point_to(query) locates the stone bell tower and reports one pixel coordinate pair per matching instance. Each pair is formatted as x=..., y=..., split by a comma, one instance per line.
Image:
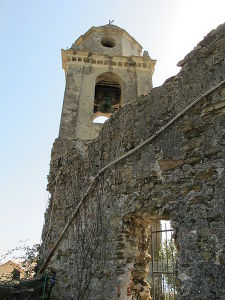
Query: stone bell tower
x=104, y=69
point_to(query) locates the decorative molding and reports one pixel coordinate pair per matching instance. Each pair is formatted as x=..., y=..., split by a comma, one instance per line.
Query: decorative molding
x=82, y=58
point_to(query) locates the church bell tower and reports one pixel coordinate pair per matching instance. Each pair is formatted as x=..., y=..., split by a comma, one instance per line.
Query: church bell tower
x=104, y=69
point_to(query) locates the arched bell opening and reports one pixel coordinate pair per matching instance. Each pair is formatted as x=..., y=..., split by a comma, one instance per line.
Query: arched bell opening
x=108, y=93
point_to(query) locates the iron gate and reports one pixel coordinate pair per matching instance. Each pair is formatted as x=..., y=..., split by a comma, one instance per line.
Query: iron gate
x=162, y=267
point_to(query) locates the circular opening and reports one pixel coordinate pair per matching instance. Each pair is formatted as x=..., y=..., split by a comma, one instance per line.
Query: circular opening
x=108, y=42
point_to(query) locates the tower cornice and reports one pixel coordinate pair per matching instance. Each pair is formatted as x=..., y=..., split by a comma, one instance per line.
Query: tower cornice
x=83, y=57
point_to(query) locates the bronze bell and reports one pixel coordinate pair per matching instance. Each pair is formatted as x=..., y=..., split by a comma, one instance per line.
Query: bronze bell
x=106, y=105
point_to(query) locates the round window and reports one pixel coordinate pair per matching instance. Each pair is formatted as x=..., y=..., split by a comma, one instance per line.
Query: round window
x=108, y=42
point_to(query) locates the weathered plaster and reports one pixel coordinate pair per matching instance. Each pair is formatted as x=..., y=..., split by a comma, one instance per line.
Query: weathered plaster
x=86, y=63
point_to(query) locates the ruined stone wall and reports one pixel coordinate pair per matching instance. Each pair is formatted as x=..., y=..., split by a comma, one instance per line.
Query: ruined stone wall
x=24, y=290
x=178, y=175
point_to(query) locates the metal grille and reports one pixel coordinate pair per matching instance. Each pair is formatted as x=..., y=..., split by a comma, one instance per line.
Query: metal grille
x=162, y=268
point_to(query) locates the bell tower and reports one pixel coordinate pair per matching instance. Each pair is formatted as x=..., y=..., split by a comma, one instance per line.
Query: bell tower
x=104, y=69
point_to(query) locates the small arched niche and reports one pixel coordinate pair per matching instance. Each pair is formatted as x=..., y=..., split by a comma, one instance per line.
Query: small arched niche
x=108, y=93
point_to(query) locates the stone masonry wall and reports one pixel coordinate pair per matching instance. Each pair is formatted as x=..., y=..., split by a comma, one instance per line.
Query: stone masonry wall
x=180, y=175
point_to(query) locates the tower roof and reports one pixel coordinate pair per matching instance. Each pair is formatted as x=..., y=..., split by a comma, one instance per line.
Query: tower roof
x=108, y=29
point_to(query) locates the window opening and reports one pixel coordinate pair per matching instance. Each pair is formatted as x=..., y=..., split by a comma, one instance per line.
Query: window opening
x=162, y=266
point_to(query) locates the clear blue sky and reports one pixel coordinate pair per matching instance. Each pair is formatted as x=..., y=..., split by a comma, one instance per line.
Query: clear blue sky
x=32, y=82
